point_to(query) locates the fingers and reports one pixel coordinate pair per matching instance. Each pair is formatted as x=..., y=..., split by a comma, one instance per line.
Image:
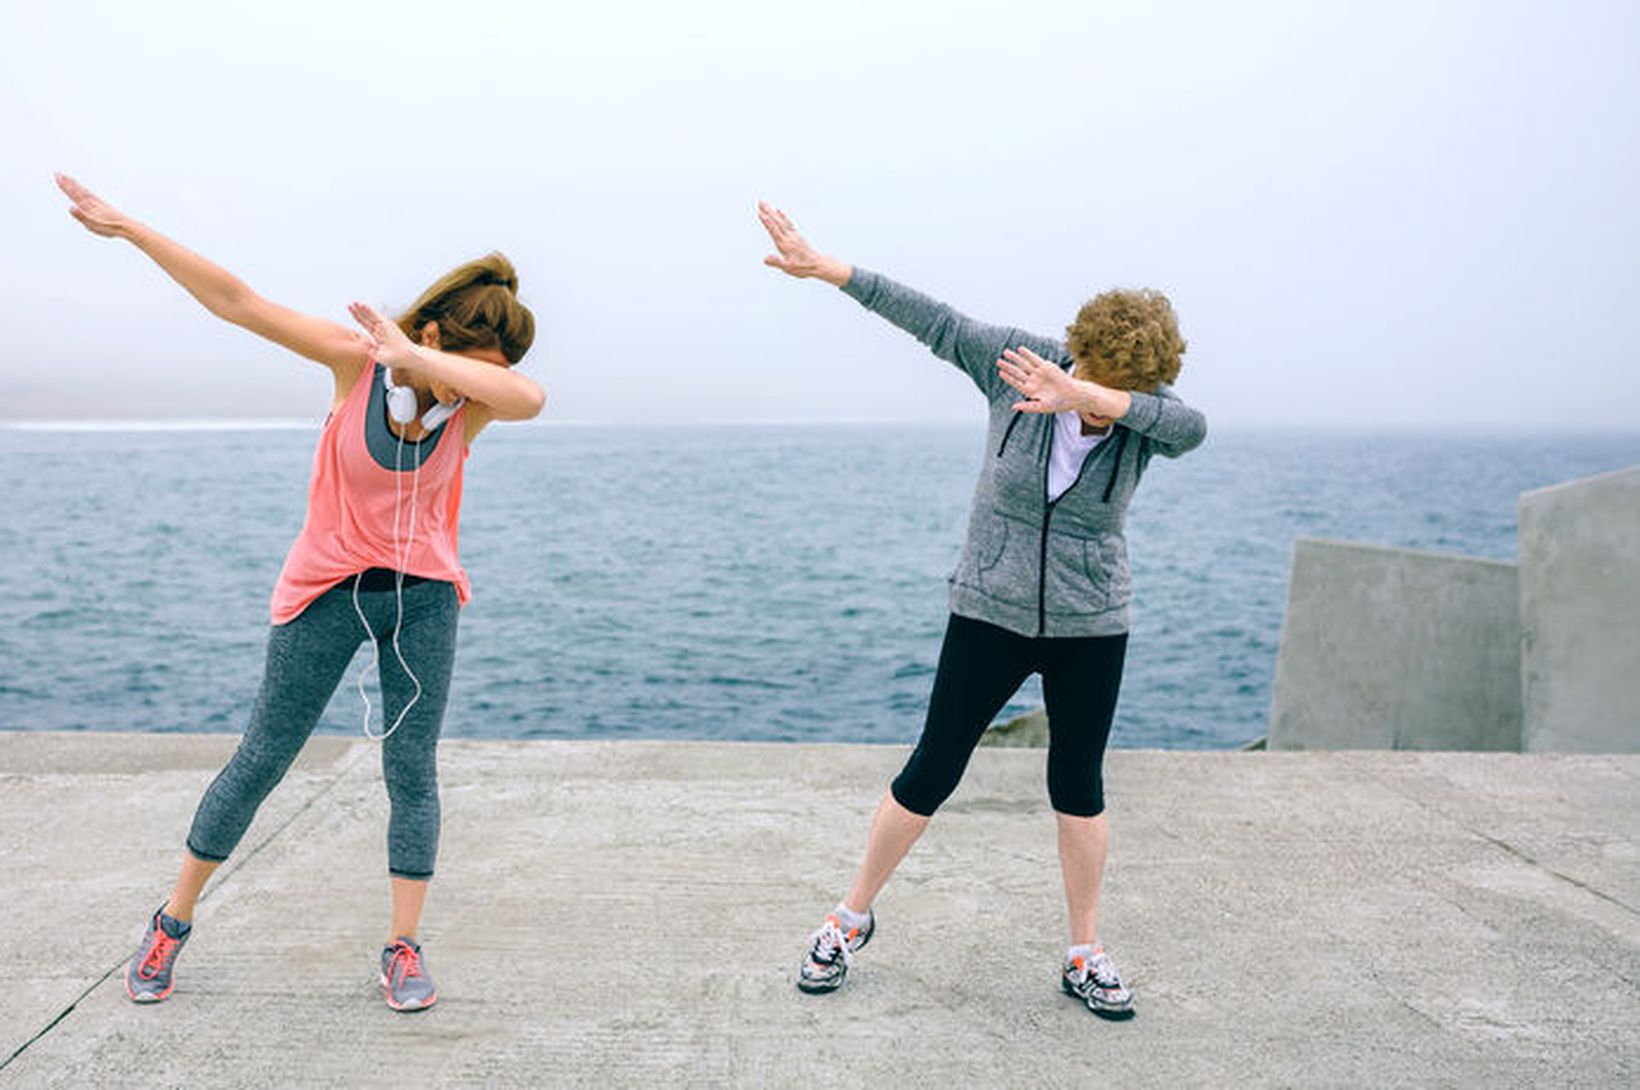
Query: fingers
x=771, y=222
x=365, y=315
x=1024, y=359
x=1032, y=407
x=779, y=226
x=75, y=192
x=765, y=216
x=1013, y=376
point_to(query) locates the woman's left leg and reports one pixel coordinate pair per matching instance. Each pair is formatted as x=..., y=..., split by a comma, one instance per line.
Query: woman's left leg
x=1081, y=678
x=1080, y=684
x=427, y=640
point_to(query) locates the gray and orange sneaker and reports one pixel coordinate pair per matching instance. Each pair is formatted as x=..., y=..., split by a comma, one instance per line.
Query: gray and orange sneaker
x=831, y=952
x=1093, y=980
x=405, y=978
x=148, y=978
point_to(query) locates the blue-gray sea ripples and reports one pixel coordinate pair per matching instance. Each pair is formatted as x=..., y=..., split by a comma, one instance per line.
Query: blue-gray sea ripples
x=768, y=582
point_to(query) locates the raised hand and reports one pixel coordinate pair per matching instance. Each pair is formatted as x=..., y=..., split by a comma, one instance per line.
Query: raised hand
x=1046, y=387
x=390, y=347
x=795, y=256
x=98, y=216
x=1050, y=389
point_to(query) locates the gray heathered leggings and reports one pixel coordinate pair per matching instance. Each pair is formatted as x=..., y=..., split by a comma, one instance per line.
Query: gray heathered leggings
x=306, y=660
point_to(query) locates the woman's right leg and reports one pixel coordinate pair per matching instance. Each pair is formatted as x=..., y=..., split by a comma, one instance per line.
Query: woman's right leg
x=306, y=660
x=980, y=667
x=893, y=830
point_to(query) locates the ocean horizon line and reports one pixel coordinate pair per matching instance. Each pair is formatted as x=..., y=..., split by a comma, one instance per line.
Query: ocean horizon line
x=309, y=424
x=291, y=423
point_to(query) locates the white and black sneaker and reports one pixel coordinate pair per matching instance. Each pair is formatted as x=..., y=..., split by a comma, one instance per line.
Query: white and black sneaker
x=831, y=951
x=1093, y=979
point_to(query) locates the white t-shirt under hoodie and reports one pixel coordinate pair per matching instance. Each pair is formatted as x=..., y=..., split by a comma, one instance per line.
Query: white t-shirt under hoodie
x=1070, y=449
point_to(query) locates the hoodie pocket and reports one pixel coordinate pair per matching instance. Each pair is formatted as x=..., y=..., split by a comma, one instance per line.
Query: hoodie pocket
x=1104, y=561
x=992, y=544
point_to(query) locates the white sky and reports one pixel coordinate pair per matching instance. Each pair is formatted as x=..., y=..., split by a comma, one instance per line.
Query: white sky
x=1366, y=214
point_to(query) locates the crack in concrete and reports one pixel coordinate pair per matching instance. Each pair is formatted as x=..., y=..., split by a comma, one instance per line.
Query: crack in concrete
x=1511, y=849
x=226, y=877
x=1523, y=857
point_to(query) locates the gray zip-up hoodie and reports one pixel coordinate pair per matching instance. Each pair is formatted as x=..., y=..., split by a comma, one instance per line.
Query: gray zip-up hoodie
x=1030, y=566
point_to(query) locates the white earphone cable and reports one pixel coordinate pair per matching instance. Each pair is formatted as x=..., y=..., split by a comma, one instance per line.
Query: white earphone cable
x=401, y=557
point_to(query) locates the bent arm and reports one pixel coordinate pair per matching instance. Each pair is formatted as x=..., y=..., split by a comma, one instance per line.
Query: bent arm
x=951, y=335
x=504, y=393
x=1172, y=427
x=498, y=392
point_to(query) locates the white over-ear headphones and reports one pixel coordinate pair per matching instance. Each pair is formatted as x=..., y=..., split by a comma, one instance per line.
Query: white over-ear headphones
x=401, y=404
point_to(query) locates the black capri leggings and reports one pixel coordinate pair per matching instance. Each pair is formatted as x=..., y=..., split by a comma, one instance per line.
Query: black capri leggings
x=981, y=666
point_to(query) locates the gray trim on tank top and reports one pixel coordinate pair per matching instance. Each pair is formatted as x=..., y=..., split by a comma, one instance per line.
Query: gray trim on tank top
x=380, y=440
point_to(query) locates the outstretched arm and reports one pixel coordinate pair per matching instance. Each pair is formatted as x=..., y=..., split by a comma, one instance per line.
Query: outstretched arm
x=222, y=293
x=950, y=335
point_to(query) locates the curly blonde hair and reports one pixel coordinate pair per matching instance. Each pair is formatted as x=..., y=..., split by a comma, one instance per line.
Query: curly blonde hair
x=1126, y=339
x=476, y=306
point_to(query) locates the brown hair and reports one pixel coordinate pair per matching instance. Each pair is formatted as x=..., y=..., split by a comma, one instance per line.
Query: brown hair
x=1127, y=339
x=476, y=306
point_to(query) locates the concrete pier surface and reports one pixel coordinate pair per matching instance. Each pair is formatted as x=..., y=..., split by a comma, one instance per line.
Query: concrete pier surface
x=626, y=913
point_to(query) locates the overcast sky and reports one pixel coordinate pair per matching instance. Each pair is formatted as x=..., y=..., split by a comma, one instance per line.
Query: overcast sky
x=1366, y=214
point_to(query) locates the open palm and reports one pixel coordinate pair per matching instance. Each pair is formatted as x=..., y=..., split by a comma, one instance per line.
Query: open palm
x=98, y=216
x=1047, y=388
x=392, y=347
x=795, y=257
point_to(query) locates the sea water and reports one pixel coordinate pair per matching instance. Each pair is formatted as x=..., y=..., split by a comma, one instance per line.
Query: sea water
x=742, y=581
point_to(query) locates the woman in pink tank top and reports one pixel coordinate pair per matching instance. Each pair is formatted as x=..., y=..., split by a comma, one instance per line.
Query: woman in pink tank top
x=376, y=561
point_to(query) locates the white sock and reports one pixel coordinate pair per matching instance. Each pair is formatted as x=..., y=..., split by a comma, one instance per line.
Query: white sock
x=1085, y=951
x=851, y=921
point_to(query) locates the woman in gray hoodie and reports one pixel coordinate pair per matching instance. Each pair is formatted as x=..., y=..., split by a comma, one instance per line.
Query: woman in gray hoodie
x=1042, y=585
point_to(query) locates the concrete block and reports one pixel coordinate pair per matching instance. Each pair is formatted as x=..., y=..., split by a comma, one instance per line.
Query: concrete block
x=1580, y=615
x=1028, y=731
x=1397, y=649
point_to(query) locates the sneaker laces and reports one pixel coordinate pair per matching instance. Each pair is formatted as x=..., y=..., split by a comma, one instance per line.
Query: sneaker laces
x=829, y=942
x=411, y=958
x=158, y=954
x=1103, y=971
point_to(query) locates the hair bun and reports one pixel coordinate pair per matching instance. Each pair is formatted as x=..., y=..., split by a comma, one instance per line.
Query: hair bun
x=491, y=270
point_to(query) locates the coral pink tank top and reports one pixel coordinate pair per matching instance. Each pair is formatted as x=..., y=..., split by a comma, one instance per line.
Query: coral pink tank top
x=352, y=501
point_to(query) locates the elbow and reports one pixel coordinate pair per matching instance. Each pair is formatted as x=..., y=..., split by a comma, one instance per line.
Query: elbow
x=1198, y=434
x=236, y=304
x=1182, y=440
x=530, y=401
x=534, y=402
x=1195, y=437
